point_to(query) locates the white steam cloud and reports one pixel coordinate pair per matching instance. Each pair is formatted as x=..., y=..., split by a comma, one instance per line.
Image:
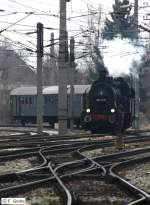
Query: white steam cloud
x=119, y=55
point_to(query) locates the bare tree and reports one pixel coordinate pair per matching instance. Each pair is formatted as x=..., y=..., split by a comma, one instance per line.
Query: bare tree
x=94, y=60
x=4, y=87
x=12, y=72
x=50, y=67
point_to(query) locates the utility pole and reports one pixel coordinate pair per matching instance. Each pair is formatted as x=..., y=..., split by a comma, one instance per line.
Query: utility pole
x=52, y=44
x=53, y=68
x=62, y=95
x=71, y=79
x=136, y=79
x=39, y=78
x=136, y=18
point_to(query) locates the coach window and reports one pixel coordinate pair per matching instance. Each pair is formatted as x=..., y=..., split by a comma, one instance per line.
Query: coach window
x=55, y=98
x=48, y=99
x=22, y=100
x=34, y=100
x=52, y=99
x=30, y=100
x=26, y=100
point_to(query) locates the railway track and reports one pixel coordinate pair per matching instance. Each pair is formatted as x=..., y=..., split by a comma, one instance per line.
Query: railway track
x=135, y=172
x=63, y=168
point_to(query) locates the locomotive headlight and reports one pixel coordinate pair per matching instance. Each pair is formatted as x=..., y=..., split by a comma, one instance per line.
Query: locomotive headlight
x=88, y=110
x=112, y=110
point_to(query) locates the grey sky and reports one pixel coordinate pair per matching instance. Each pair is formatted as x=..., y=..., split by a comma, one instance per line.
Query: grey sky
x=47, y=12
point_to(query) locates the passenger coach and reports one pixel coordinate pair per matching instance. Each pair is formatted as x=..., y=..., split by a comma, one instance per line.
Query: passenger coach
x=24, y=101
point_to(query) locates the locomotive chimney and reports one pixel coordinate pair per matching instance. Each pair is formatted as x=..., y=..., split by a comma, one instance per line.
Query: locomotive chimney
x=103, y=73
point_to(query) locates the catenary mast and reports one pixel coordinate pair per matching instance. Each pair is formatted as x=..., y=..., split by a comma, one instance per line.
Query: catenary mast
x=62, y=95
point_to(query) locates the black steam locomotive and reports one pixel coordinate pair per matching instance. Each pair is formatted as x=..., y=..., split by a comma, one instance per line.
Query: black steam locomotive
x=108, y=105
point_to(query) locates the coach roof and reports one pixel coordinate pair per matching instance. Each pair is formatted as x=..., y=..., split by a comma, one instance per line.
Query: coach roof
x=78, y=89
x=32, y=90
x=27, y=90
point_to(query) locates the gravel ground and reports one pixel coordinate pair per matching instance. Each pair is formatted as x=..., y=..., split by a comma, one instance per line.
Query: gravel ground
x=139, y=176
x=17, y=165
x=95, y=192
x=42, y=196
x=60, y=158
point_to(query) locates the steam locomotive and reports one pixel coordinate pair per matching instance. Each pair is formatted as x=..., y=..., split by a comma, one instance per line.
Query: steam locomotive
x=108, y=105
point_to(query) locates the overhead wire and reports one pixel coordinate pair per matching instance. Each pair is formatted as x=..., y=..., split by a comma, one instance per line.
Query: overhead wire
x=15, y=23
x=35, y=9
x=18, y=24
x=17, y=43
x=45, y=3
x=76, y=35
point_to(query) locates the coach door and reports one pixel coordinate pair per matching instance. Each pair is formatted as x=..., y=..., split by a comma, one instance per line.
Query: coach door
x=28, y=106
x=50, y=105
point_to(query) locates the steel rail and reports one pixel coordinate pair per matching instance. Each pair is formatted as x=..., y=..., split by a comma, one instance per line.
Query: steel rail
x=69, y=197
x=40, y=182
x=137, y=202
x=129, y=185
x=102, y=158
x=29, y=171
x=46, y=150
x=33, y=144
x=91, y=160
x=44, y=143
x=44, y=162
x=122, y=155
x=21, y=153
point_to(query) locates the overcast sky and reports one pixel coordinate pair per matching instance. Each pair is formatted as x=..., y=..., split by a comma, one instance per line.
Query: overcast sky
x=47, y=12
